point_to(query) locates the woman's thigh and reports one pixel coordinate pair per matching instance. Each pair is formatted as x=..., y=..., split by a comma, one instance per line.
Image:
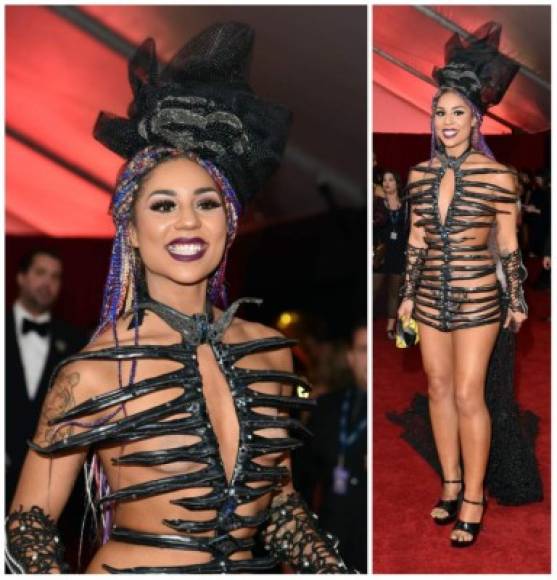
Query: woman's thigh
x=437, y=354
x=472, y=348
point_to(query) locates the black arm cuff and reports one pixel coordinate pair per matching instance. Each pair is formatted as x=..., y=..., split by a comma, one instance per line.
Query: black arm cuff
x=415, y=259
x=33, y=544
x=515, y=274
x=293, y=536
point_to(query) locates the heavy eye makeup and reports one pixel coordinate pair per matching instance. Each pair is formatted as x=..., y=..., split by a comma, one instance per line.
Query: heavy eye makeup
x=164, y=202
x=457, y=112
x=162, y=205
x=207, y=203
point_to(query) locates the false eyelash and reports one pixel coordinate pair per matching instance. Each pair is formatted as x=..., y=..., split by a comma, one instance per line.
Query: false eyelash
x=158, y=205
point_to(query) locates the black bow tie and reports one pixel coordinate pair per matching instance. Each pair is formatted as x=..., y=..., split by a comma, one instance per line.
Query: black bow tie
x=41, y=328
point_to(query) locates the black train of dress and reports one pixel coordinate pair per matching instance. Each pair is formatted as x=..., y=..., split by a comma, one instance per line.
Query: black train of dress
x=512, y=476
x=309, y=549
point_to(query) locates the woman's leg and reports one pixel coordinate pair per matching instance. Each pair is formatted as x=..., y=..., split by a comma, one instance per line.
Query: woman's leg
x=378, y=287
x=393, y=287
x=437, y=357
x=472, y=349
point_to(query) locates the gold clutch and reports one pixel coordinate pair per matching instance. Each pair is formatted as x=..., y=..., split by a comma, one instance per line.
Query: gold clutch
x=406, y=333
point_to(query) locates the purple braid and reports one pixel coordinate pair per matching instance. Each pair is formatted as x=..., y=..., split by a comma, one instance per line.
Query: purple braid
x=477, y=140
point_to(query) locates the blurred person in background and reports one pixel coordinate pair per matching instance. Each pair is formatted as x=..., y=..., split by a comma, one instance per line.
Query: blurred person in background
x=392, y=235
x=330, y=470
x=538, y=214
x=35, y=343
x=523, y=190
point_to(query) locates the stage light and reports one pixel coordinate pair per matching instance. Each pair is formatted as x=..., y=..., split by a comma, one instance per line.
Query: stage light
x=287, y=319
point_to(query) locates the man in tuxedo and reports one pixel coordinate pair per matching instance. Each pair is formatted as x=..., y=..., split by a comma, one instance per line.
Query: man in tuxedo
x=35, y=343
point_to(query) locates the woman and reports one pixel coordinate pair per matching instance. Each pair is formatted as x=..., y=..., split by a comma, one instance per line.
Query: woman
x=450, y=283
x=538, y=214
x=183, y=404
x=393, y=235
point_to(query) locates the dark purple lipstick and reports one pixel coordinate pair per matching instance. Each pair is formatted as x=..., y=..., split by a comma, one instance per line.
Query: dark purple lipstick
x=187, y=249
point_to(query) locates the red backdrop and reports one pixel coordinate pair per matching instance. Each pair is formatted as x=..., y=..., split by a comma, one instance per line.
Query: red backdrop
x=399, y=152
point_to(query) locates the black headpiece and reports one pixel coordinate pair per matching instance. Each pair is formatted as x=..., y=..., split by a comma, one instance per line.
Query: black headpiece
x=202, y=103
x=476, y=68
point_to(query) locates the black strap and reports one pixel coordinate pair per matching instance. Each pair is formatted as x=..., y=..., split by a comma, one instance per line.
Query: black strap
x=474, y=502
x=449, y=162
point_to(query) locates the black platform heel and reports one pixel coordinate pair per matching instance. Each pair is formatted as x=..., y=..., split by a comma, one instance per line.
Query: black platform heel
x=472, y=528
x=449, y=505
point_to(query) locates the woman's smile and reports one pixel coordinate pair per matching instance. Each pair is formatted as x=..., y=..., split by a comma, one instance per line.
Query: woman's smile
x=453, y=120
x=450, y=133
x=180, y=223
x=187, y=249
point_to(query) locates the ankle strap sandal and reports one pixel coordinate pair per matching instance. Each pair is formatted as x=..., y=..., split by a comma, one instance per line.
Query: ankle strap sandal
x=472, y=528
x=448, y=505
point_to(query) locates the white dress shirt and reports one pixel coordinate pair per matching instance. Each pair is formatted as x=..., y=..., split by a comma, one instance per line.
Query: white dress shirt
x=33, y=348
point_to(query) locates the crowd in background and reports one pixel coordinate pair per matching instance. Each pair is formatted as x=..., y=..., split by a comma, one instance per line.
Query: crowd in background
x=391, y=227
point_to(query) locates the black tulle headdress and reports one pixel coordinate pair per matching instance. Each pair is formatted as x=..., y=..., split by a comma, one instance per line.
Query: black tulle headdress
x=476, y=68
x=201, y=103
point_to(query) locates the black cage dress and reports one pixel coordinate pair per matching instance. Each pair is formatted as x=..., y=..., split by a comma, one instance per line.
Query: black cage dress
x=457, y=285
x=294, y=538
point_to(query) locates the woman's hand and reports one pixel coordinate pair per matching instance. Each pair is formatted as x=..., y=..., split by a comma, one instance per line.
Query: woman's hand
x=514, y=320
x=406, y=308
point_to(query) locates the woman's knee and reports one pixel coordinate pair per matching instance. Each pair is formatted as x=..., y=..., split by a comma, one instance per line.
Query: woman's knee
x=469, y=397
x=440, y=386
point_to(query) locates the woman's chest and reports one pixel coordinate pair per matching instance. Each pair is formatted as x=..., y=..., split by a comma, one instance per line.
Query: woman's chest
x=196, y=420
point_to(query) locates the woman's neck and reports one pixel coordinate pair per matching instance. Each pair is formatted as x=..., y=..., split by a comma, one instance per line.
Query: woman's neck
x=185, y=298
x=392, y=198
x=457, y=150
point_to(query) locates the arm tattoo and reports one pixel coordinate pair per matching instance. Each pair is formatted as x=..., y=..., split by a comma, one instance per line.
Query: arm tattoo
x=58, y=402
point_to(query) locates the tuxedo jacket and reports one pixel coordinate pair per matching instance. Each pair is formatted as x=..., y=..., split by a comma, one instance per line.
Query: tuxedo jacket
x=21, y=412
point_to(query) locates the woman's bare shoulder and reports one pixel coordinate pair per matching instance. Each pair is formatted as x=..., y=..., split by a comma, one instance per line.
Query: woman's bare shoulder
x=418, y=171
x=254, y=330
x=503, y=175
x=479, y=159
x=106, y=338
x=73, y=382
x=431, y=162
x=245, y=330
x=85, y=374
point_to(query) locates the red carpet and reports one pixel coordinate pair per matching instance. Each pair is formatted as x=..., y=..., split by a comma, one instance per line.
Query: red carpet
x=514, y=539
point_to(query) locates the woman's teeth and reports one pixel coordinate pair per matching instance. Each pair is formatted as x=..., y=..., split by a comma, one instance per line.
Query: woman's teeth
x=449, y=133
x=185, y=249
